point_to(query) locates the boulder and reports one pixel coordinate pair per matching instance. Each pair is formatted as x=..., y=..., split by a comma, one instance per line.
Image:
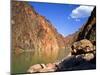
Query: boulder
x=35, y=68
x=50, y=67
x=82, y=46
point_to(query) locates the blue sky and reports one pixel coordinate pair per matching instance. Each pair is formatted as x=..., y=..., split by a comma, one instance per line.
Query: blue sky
x=66, y=18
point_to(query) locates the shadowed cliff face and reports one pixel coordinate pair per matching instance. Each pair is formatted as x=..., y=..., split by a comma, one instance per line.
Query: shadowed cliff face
x=87, y=31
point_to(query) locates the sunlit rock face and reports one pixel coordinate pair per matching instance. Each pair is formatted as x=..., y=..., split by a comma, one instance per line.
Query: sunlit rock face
x=32, y=32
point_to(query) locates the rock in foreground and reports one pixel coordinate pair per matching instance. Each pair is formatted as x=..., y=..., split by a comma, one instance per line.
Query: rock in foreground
x=42, y=68
x=81, y=59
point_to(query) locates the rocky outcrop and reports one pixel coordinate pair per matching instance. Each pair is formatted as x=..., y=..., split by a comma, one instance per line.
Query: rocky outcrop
x=82, y=46
x=81, y=59
x=85, y=48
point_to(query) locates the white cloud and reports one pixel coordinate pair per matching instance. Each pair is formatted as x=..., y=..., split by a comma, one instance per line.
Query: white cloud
x=81, y=12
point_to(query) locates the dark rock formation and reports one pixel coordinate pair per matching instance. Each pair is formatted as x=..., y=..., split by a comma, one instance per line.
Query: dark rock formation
x=76, y=63
x=88, y=31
